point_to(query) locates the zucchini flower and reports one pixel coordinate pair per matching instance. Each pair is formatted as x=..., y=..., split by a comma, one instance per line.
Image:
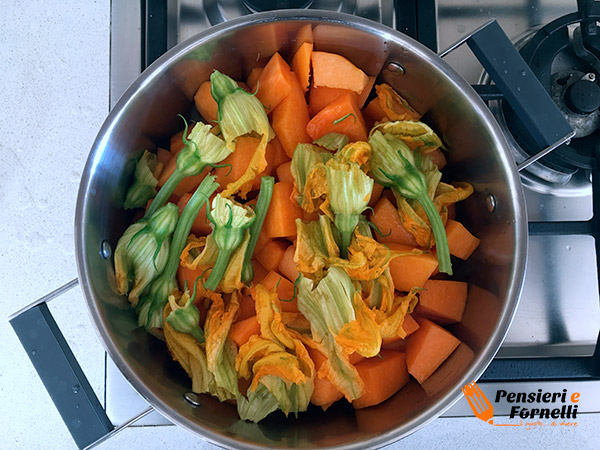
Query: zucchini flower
x=144, y=183
x=332, y=141
x=394, y=164
x=262, y=206
x=186, y=319
x=240, y=113
x=230, y=221
x=277, y=361
x=150, y=307
x=202, y=149
x=349, y=194
x=142, y=251
x=342, y=323
x=357, y=152
x=394, y=106
x=306, y=157
x=417, y=135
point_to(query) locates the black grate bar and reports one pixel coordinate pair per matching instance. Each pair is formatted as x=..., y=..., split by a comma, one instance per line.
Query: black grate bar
x=154, y=30
x=418, y=19
x=530, y=369
x=564, y=228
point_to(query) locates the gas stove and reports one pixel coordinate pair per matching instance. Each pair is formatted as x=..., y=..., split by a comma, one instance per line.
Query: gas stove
x=552, y=343
x=554, y=336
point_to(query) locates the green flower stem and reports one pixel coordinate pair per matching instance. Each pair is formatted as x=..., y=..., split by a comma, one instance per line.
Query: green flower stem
x=150, y=309
x=165, y=192
x=186, y=220
x=262, y=206
x=439, y=232
x=219, y=269
x=346, y=223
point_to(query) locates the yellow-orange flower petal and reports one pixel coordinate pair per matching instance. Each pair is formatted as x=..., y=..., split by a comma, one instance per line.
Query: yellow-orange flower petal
x=394, y=106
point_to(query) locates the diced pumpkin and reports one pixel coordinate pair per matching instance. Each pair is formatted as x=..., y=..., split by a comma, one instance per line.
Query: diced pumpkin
x=301, y=64
x=245, y=147
x=374, y=111
x=271, y=254
x=274, y=83
x=387, y=219
x=259, y=271
x=283, y=212
x=205, y=103
x=320, y=97
x=410, y=325
x=442, y=301
x=411, y=271
x=332, y=70
x=438, y=158
x=449, y=372
x=427, y=348
x=241, y=331
x=287, y=266
x=284, y=288
x=461, y=242
x=387, y=416
x=383, y=377
x=187, y=275
x=481, y=315
x=376, y=194
x=276, y=155
x=262, y=240
x=324, y=392
x=163, y=156
x=176, y=142
x=253, y=77
x=247, y=307
x=395, y=344
x=354, y=358
x=362, y=97
x=342, y=116
x=284, y=172
x=290, y=118
x=201, y=225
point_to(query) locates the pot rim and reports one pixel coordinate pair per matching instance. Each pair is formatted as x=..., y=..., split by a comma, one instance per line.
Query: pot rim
x=155, y=69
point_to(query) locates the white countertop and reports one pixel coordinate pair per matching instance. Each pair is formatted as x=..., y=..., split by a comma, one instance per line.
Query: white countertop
x=54, y=79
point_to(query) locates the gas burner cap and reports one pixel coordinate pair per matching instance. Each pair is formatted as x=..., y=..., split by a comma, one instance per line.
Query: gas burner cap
x=578, y=98
x=583, y=97
x=565, y=63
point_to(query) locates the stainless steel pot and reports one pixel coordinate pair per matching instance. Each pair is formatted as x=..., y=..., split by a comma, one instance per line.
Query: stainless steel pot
x=146, y=116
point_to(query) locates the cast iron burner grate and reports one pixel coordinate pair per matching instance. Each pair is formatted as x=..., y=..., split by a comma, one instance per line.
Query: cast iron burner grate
x=565, y=57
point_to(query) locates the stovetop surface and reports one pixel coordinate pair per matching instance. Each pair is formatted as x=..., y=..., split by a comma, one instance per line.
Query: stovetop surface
x=559, y=312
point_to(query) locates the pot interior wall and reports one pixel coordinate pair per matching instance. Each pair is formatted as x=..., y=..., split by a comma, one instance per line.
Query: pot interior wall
x=146, y=118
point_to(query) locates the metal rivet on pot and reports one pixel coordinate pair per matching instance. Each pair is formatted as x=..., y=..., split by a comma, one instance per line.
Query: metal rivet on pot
x=105, y=249
x=192, y=398
x=490, y=202
x=395, y=67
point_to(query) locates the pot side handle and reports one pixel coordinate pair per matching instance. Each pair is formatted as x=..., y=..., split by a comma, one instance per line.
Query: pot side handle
x=60, y=372
x=518, y=84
